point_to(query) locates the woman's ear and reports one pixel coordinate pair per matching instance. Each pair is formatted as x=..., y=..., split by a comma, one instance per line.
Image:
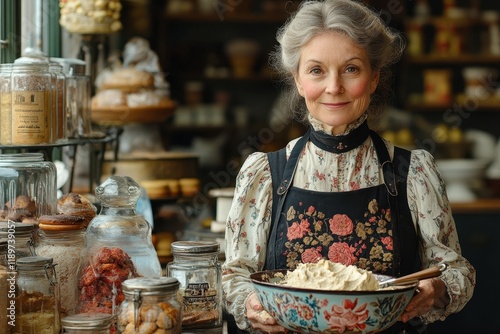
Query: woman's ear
x=300, y=89
x=374, y=82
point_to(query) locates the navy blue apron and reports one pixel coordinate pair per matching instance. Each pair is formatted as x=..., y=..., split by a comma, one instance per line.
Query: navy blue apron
x=371, y=227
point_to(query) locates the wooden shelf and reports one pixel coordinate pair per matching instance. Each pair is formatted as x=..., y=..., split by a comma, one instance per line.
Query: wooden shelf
x=227, y=17
x=448, y=60
x=485, y=205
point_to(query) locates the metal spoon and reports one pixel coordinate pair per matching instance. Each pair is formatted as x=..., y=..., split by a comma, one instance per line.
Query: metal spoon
x=415, y=277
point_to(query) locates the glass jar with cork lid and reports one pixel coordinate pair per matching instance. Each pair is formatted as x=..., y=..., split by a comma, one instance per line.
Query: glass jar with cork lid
x=61, y=237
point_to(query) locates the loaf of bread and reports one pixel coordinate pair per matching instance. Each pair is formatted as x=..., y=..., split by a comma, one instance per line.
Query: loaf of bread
x=128, y=78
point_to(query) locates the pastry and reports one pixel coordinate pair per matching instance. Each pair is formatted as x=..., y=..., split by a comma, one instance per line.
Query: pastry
x=74, y=204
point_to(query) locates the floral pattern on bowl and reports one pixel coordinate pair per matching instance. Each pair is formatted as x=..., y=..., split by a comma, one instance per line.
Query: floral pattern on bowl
x=326, y=311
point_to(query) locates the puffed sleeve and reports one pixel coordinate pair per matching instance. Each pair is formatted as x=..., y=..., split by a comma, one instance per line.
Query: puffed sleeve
x=433, y=218
x=247, y=229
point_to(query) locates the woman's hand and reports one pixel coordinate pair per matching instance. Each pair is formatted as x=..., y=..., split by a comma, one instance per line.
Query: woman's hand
x=431, y=292
x=259, y=318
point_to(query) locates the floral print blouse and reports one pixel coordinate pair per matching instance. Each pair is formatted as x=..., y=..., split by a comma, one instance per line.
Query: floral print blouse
x=249, y=218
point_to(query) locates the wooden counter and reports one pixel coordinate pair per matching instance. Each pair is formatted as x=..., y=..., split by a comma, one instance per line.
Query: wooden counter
x=483, y=205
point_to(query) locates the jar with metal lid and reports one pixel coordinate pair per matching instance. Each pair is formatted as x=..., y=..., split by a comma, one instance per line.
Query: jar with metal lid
x=20, y=240
x=31, y=86
x=151, y=305
x=118, y=246
x=195, y=264
x=63, y=243
x=37, y=300
x=5, y=104
x=85, y=323
x=27, y=187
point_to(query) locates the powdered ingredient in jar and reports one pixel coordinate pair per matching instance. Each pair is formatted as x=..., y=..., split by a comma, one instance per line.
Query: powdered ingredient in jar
x=66, y=256
x=36, y=314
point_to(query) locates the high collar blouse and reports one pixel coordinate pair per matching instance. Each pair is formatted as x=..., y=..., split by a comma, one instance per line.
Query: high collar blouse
x=249, y=218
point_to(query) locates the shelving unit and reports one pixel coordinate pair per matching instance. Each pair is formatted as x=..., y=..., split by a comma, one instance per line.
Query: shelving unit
x=455, y=35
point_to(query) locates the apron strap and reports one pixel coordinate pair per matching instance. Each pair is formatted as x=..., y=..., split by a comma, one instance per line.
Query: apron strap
x=395, y=175
x=282, y=172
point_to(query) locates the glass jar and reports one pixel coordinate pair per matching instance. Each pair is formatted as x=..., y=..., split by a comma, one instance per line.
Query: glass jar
x=150, y=306
x=4, y=288
x=20, y=239
x=5, y=104
x=58, y=102
x=64, y=246
x=37, y=300
x=27, y=186
x=195, y=264
x=87, y=323
x=118, y=246
x=78, y=97
x=31, y=85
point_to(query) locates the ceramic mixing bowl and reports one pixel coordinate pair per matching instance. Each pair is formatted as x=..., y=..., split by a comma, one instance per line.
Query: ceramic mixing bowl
x=326, y=311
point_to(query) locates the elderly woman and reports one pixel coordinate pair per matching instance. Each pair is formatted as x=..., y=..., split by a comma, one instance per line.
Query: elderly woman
x=341, y=192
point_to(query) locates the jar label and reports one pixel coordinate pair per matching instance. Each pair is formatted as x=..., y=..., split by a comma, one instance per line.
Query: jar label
x=30, y=117
x=201, y=306
x=5, y=118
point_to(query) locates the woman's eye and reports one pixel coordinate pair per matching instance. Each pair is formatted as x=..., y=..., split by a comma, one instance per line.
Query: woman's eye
x=351, y=69
x=315, y=70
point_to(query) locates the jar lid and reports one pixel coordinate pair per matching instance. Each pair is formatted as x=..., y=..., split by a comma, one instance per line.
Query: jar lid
x=33, y=262
x=71, y=66
x=16, y=228
x=21, y=157
x=150, y=286
x=194, y=247
x=87, y=321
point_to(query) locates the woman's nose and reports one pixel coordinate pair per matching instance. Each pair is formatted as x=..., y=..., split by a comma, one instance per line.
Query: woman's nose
x=334, y=85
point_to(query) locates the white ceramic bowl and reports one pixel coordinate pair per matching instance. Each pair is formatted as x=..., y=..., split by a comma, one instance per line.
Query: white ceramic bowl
x=460, y=176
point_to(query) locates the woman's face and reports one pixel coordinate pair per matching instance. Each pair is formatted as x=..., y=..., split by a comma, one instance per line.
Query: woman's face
x=335, y=79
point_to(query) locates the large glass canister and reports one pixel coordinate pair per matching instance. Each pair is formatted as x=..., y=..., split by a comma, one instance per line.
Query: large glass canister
x=5, y=104
x=37, y=300
x=63, y=241
x=31, y=87
x=151, y=305
x=87, y=323
x=20, y=240
x=27, y=187
x=195, y=264
x=118, y=246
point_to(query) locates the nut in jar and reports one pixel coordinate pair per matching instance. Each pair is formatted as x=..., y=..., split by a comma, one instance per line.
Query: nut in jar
x=150, y=306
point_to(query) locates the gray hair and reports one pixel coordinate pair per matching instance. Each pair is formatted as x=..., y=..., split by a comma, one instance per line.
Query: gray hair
x=362, y=25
